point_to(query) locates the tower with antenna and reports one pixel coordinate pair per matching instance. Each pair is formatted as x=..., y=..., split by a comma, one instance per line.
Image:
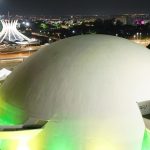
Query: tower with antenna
x=8, y=14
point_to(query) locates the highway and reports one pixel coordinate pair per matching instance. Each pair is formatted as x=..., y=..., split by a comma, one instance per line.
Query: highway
x=10, y=60
x=15, y=55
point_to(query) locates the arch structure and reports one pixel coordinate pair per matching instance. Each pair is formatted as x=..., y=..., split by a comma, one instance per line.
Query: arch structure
x=10, y=33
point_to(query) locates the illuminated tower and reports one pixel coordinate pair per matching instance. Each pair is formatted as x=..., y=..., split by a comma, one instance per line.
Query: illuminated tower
x=10, y=32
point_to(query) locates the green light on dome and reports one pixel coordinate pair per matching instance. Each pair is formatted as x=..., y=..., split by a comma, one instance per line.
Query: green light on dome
x=62, y=142
x=146, y=141
x=60, y=137
x=10, y=115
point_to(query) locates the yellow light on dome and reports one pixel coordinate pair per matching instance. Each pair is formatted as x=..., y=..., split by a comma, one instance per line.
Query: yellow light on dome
x=23, y=145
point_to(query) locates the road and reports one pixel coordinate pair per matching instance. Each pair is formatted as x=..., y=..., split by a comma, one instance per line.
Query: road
x=15, y=55
x=144, y=42
x=10, y=60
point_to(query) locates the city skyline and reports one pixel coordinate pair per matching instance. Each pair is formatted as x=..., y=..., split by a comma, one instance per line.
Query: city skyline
x=66, y=7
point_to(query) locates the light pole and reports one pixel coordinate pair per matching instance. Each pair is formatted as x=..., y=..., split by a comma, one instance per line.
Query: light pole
x=140, y=35
x=137, y=35
x=134, y=36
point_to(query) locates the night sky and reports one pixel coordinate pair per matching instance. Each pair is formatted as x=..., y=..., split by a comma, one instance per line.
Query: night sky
x=70, y=7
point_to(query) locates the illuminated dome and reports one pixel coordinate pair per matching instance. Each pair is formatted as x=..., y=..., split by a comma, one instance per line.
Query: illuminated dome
x=87, y=88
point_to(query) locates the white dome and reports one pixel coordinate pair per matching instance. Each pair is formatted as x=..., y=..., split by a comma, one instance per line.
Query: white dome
x=93, y=81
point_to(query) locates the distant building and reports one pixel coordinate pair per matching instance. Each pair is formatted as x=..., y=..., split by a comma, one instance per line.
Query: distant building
x=122, y=19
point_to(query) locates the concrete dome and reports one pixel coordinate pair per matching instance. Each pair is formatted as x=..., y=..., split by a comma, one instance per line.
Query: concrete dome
x=93, y=81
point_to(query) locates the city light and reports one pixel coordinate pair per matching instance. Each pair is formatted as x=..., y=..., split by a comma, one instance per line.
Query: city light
x=73, y=31
x=27, y=24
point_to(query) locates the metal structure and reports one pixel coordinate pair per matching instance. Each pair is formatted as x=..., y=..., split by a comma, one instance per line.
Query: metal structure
x=10, y=32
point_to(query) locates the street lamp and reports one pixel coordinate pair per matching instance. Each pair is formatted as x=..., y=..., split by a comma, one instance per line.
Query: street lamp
x=140, y=35
x=137, y=35
x=134, y=36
